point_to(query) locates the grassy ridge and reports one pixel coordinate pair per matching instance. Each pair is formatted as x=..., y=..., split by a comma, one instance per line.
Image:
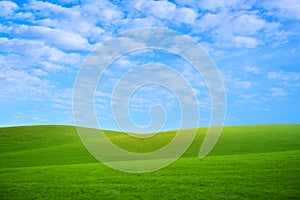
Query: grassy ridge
x=249, y=162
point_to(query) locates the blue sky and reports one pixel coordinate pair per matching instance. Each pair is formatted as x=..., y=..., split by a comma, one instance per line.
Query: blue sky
x=255, y=45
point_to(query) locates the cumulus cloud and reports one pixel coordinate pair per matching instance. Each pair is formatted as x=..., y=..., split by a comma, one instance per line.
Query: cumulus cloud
x=7, y=8
x=186, y=15
x=159, y=9
x=53, y=36
x=110, y=13
x=165, y=10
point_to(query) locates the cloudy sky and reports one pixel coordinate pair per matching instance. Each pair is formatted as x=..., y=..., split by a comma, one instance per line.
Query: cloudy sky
x=255, y=45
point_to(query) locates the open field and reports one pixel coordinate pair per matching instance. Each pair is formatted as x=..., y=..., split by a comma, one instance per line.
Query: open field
x=248, y=162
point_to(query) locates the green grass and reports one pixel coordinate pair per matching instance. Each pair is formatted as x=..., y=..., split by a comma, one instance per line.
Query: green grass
x=248, y=162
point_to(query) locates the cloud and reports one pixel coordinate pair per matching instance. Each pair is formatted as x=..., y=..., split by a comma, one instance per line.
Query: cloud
x=165, y=10
x=49, y=66
x=252, y=69
x=238, y=22
x=250, y=96
x=68, y=1
x=83, y=28
x=14, y=76
x=26, y=53
x=39, y=72
x=286, y=9
x=19, y=85
x=7, y=8
x=243, y=84
x=234, y=25
x=110, y=14
x=53, y=36
x=251, y=24
x=62, y=99
x=248, y=42
x=284, y=76
x=221, y=4
x=125, y=62
x=44, y=42
x=39, y=14
x=278, y=92
x=159, y=9
x=46, y=9
x=256, y=98
x=234, y=84
x=143, y=22
x=185, y=15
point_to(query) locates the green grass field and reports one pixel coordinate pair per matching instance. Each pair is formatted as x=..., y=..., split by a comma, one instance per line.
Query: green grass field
x=248, y=162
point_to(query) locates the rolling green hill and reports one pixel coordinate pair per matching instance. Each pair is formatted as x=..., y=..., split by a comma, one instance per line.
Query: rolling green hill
x=248, y=162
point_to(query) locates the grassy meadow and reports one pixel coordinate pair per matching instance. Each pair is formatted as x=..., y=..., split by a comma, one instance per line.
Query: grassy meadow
x=248, y=162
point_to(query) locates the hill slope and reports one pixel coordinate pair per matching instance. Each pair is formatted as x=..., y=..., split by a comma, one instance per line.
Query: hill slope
x=50, y=162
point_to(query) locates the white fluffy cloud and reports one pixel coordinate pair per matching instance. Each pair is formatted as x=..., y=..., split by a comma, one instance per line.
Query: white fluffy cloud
x=7, y=8
x=160, y=9
x=165, y=10
x=53, y=36
x=186, y=15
